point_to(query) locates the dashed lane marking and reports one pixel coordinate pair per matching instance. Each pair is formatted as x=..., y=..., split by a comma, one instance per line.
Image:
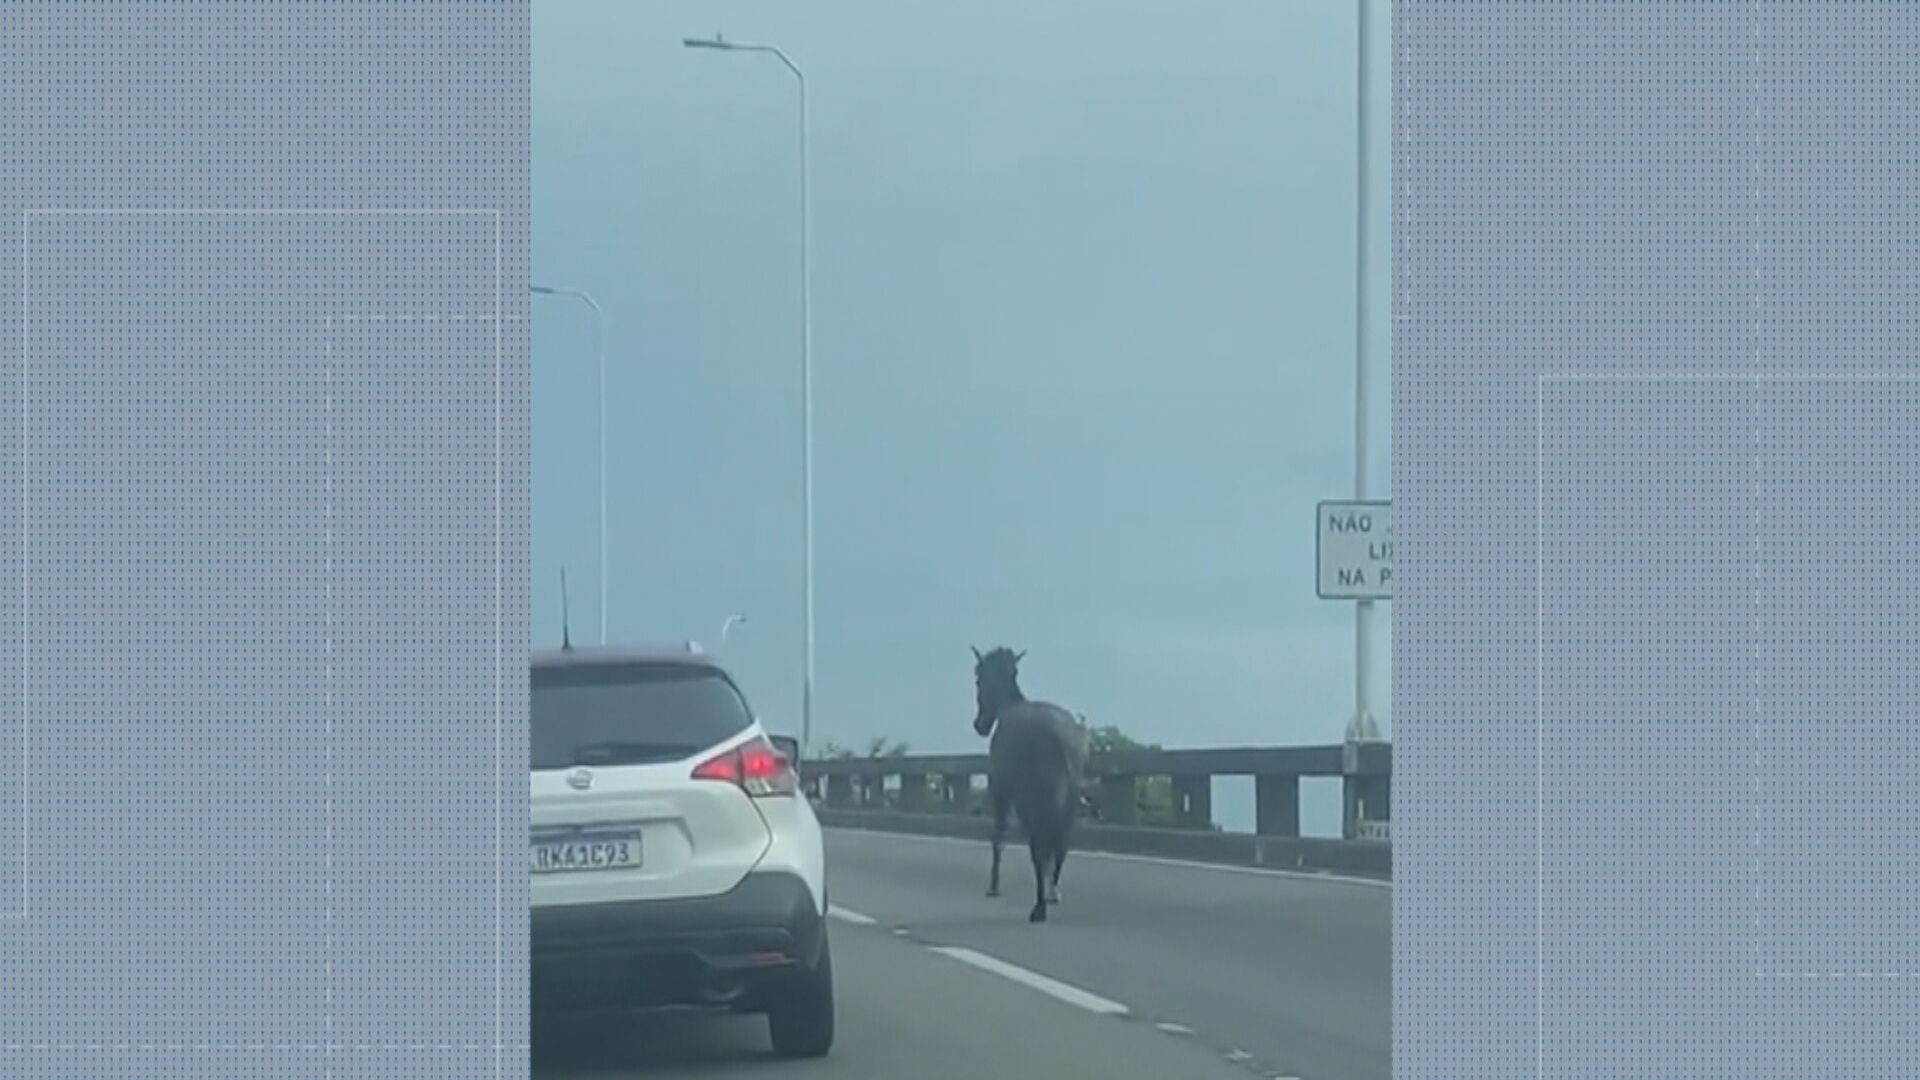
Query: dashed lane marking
x=1174, y=1029
x=1053, y=988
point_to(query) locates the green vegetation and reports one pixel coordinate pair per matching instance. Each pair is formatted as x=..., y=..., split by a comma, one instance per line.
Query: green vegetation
x=1153, y=795
x=832, y=751
x=881, y=748
x=829, y=750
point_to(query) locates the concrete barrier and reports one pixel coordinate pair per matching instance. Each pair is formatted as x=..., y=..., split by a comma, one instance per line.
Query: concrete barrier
x=942, y=786
x=1356, y=858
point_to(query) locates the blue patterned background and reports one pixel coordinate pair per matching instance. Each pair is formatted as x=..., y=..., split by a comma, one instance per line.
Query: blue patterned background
x=263, y=640
x=1656, y=411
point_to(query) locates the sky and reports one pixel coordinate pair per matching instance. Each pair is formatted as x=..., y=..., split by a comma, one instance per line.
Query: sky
x=1083, y=352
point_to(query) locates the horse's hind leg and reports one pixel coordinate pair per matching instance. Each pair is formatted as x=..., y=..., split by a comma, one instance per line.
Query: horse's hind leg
x=1039, y=852
x=1000, y=808
x=1059, y=860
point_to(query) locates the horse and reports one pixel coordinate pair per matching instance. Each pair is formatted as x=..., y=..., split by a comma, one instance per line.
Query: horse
x=1037, y=757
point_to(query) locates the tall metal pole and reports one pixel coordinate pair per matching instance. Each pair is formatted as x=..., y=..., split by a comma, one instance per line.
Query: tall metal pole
x=600, y=354
x=806, y=375
x=806, y=409
x=1363, y=609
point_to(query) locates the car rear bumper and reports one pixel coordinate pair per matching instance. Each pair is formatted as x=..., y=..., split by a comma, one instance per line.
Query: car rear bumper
x=714, y=952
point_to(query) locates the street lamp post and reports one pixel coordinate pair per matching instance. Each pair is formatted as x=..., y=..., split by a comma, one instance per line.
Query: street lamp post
x=600, y=353
x=1363, y=726
x=806, y=375
x=732, y=621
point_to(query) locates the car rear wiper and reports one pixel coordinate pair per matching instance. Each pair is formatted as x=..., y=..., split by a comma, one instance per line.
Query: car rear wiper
x=630, y=753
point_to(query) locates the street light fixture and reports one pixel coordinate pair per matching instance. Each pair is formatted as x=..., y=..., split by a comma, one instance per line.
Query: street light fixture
x=600, y=353
x=718, y=43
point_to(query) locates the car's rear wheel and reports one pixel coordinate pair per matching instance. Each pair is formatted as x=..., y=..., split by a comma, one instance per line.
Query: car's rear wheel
x=800, y=1016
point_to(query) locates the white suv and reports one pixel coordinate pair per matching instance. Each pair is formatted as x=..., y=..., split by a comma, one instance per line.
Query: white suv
x=675, y=864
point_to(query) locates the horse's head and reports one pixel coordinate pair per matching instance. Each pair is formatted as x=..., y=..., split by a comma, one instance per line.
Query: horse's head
x=996, y=685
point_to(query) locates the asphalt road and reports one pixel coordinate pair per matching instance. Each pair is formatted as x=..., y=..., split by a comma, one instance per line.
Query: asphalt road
x=1146, y=969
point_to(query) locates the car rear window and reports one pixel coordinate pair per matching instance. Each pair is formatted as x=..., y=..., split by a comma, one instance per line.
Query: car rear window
x=631, y=714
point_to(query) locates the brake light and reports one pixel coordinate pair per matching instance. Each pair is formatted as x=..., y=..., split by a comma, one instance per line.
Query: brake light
x=756, y=768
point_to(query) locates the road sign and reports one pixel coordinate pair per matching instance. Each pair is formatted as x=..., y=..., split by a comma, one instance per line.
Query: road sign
x=1354, y=550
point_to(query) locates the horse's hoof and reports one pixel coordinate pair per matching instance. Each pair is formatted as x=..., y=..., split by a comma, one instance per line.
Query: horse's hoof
x=991, y=893
x=1038, y=914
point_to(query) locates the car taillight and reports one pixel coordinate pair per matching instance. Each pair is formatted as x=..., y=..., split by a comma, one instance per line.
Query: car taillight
x=756, y=768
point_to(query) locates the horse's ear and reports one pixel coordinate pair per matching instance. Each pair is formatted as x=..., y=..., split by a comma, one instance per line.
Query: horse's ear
x=976, y=653
x=1019, y=656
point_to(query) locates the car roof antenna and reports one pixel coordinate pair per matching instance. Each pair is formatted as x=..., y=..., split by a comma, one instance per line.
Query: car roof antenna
x=566, y=635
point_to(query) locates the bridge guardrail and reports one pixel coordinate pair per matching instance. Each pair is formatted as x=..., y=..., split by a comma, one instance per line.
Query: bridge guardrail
x=937, y=794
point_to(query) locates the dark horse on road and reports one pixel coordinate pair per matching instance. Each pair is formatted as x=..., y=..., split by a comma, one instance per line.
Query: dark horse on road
x=1038, y=759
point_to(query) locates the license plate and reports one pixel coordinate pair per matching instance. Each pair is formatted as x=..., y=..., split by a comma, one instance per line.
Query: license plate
x=601, y=853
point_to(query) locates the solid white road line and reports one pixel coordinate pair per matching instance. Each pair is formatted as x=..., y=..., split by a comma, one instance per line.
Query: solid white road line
x=1054, y=988
x=1150, y=860
x=835, y=911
